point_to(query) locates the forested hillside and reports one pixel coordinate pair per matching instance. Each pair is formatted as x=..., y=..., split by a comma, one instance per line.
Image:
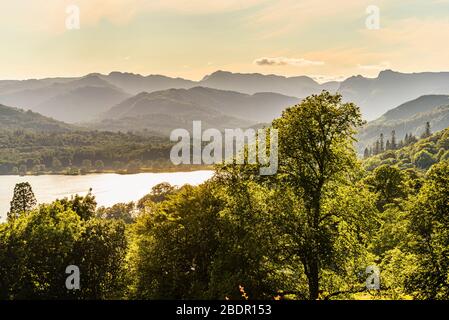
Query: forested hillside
x=17, y=119
x=421, y=154
x=409, y=118
x=24, y=152
x=33, y=144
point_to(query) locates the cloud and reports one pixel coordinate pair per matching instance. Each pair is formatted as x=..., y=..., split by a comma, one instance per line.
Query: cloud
x=286, y=16
x=381, y=66
x=327, y=78
x=52, y=12
x=283, y=61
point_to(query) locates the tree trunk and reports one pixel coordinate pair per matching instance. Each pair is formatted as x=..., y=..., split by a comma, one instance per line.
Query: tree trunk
x=314, y=269
x=313, y=279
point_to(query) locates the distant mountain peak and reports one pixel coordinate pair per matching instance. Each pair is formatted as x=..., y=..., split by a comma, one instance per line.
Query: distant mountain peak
x=216, y=74
x=387, y=74
x=91, y=80
x=92, y=75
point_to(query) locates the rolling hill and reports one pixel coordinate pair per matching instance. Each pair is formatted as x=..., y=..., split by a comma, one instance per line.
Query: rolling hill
x=70, y=100
x=420, y=155
x=136, y=83
x=80, y=104
x=18, y=119
x=410, y=117
x=177, y=108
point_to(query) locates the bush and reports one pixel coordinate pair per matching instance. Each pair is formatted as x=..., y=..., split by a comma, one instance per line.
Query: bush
x=423, y=159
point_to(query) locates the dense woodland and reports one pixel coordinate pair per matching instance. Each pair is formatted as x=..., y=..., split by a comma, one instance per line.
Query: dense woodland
x=78, y=152
x=33, y=144
x=308, y=232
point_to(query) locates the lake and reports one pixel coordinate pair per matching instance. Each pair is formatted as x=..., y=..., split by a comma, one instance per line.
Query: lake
x=108, y=189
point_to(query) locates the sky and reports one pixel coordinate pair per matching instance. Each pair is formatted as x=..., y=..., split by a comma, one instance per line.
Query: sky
x=328, y=40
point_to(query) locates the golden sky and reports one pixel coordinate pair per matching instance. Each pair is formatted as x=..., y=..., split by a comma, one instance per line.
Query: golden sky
x=191, y=38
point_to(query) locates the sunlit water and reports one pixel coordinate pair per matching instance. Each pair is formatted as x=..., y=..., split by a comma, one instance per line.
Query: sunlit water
x=108, y=189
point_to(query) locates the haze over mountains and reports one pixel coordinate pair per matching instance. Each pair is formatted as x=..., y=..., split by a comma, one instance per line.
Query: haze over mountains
x=17, y=119
x=126, y=101
x=390, y=89
x=177, y=108
x=69, y=100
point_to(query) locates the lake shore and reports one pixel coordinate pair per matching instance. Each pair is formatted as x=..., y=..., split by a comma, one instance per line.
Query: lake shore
x=181, y=168
x=108, y=188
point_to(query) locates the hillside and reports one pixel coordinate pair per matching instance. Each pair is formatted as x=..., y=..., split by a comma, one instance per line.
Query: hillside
x=409, y=109
x=65, y=99
x=390, y=89
x=136, y=83
x=260, y=107
x=408, y=118
x=17, y=119
x=421, y=154
x=81, y=104
x=163, y=111
x=78, y=152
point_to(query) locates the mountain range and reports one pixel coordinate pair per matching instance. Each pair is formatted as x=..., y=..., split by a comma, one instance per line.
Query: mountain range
x=166, y=110
x=377, y=95
x=84, y=98
x=127, y=101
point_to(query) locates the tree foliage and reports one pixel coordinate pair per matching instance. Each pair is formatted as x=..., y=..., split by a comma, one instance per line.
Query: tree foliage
x=23, y=200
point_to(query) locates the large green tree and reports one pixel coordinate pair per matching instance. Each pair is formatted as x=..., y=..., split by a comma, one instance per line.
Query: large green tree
x=429, y=236
x=174, y=244
x=315, y=153
x=388, y=183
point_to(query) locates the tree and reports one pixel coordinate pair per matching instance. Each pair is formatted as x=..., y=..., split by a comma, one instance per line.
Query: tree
x=87, y=165
x=56, y=164
x=427, y=133
x=377, y=147
x=366, y=154
x=23, y=200
x=100, y=253
x=429, y=231
x=38, y=246
x=381, y=142
x=23, y=169
x=99, y=165
x=158, y=193
x=388, y=183
x=423, y=159
x=315, y=146
x=393, y=140
x=174, y=246
x=119, y=211
x=85, y=206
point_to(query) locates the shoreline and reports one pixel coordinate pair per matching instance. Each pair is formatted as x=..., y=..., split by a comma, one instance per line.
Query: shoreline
x=119, y=172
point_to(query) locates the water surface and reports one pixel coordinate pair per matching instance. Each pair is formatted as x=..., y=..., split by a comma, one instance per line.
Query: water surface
x=108, y=189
